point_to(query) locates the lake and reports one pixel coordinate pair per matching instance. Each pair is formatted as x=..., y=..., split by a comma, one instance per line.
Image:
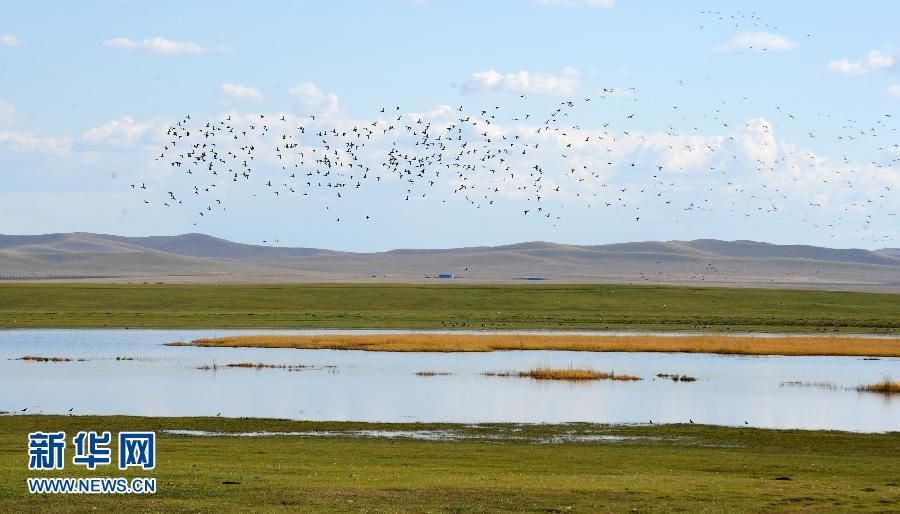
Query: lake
x=340, y=385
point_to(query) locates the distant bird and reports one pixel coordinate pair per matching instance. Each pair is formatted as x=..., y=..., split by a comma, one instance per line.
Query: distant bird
x=494, y=160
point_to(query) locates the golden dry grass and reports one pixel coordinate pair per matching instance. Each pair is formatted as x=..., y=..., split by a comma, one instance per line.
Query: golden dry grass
x=545, y=373
x=39, y=358
x=721, y=344
x=886, y=386
x=252, y=365
x=257, y=365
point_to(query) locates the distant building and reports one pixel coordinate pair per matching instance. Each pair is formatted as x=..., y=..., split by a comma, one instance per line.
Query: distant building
x=445, y=275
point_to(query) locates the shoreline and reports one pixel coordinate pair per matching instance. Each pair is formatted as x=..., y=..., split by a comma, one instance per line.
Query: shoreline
x=518, y=468
x=708, y=344
x=574, y=332
x=248, y=426
x=496, y=431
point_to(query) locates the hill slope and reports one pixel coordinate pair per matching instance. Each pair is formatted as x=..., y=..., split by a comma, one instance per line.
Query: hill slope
x=199, y=257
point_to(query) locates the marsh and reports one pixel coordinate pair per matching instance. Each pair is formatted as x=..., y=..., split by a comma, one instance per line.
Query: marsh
x=383, y=386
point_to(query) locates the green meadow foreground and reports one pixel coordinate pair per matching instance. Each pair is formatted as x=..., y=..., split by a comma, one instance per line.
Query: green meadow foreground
x=686, y=468
x=446, y=306
x=335, y=467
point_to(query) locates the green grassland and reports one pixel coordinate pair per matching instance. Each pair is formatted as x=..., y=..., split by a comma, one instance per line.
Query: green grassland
x=532, y=306
x=688, y=468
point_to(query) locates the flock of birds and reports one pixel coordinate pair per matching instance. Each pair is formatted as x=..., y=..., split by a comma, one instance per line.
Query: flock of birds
x=544, y=161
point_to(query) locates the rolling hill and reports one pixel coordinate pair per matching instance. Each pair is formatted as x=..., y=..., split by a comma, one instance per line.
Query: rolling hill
x=203, y=258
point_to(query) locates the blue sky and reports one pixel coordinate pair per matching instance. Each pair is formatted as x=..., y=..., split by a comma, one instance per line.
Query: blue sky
x=88, y=89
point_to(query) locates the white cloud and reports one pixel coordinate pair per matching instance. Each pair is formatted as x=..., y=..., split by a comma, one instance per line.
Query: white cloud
x=893, y=91
x=756, y=41
x=9, y=40
x=158, y=45
x=123, y=132
x=756, y=140
x=739, y=173
x=523, y=82
x=310, y=99
x=606, y=4
x=7, y=113
x=239, y=92
x=846, y=67
x=28, y=142
x=873, y=61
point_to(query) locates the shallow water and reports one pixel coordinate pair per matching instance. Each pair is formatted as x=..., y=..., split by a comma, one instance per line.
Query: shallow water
x=426, y=435
x=378, y=386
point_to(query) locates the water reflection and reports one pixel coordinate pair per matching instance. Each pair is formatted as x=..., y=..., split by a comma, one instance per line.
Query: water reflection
x=371, y=386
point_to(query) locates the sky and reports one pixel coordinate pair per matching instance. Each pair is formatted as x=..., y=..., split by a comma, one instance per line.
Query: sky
x=767, y=120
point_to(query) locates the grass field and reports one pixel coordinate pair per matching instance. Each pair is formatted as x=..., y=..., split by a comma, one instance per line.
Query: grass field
x=533, y=306
x=665, y=468
x=720, y=344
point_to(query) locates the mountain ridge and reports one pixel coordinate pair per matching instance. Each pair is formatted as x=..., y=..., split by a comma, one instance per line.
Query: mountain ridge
x=196, y=256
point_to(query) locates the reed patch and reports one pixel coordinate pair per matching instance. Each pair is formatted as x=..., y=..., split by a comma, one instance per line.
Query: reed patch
x=831, y=386
x=886, y=386
x=547, y=373
x=253, y=365
x=41, y=358
x=716, y=344
x=674, y=377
